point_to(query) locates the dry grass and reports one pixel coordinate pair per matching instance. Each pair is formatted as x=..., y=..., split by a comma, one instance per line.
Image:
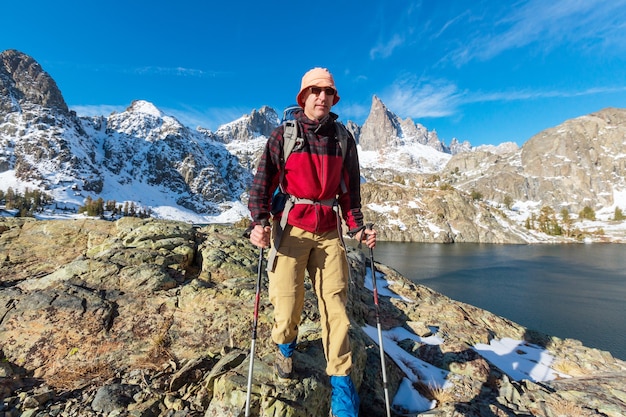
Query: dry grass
x=80, y=375
x=75, y=363
x=433, y=392
x=76, y=369
x=563, y=408
x=159, y=351
x=569, y=368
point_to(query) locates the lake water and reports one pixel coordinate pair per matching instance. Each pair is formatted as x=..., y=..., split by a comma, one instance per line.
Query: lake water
x=570, y=291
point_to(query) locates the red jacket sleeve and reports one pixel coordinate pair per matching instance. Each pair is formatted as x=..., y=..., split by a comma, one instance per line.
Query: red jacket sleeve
x=350, y=201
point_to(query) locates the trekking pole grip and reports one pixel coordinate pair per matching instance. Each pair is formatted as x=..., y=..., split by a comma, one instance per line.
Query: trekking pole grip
x=368, y=226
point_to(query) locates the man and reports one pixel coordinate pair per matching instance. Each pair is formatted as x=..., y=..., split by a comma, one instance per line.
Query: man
x=318, y=180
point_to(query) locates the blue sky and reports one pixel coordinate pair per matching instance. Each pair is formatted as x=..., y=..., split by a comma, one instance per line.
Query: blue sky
x=483, y=71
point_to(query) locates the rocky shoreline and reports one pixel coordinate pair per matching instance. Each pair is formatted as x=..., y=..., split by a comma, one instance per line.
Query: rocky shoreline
x=152, y=318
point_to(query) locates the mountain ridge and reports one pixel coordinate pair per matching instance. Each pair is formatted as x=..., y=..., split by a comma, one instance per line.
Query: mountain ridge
x=150, y=158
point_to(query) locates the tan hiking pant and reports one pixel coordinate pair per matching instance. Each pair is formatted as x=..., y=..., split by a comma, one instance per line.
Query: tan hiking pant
x=324, y=256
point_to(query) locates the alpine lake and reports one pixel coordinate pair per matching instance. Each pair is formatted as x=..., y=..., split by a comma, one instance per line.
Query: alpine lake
x=573, y=291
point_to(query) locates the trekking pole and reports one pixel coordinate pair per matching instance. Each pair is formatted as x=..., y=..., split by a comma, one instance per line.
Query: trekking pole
x=378, y=325
x=255, y=321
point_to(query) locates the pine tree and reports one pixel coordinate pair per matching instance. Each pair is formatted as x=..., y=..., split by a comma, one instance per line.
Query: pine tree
x=508, y=201
x=9, y=199
x=587, y=213
x=98, y=207
x=548, y=222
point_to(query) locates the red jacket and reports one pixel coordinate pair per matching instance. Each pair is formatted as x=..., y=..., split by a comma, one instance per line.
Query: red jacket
x=312, y=172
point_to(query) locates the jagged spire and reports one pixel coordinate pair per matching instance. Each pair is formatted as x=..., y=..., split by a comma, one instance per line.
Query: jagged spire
x=384, y=129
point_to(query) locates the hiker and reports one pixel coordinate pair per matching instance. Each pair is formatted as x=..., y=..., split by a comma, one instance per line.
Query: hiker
x=318, y=181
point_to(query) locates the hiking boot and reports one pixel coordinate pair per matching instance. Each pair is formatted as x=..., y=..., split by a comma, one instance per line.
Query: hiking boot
x=283, y=366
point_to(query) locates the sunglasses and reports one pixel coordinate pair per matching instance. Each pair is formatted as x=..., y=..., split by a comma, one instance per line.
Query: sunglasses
x=318, y=90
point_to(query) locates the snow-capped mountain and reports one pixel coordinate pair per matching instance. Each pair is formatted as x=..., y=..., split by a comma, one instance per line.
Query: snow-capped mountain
x=139, y=155
x=415, y=187
x=142, y=145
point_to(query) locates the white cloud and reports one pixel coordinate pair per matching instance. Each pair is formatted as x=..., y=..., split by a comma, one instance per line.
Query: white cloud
x=450, y=23
x=353, y=111
x=174, y=71
x=98, y=110
x=418, y=98
x=385, y=50
x=144, y=70
x=520, y=95
x=396, y=32
x=580, y=23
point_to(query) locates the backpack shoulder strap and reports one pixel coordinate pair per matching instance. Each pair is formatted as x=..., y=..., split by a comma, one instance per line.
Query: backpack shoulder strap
x=290, y=138
x=342, y=137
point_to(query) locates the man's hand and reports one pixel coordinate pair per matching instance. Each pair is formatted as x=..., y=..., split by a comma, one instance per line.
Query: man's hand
x=260, y=236
x=368, y=236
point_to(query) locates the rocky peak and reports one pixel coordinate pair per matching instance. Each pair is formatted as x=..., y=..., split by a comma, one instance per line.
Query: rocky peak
x=459, y=147
x=582, y=159
x=43, y=139
x=380, y=129
x=257, y=123
x=383, y=129
x=355, y=129
x=143, y=144
x=264, y=120
x=24, y=83
x=48, y=145
x=142, y=106
x=144, y=120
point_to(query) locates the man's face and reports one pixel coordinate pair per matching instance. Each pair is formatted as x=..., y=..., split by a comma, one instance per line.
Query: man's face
x=318, y=102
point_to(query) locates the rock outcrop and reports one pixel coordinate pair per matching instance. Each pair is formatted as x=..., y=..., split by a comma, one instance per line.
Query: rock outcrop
x=24, y=83
x=248, y=127
x=153, y=318
x=576, y=164
x=431, y=214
